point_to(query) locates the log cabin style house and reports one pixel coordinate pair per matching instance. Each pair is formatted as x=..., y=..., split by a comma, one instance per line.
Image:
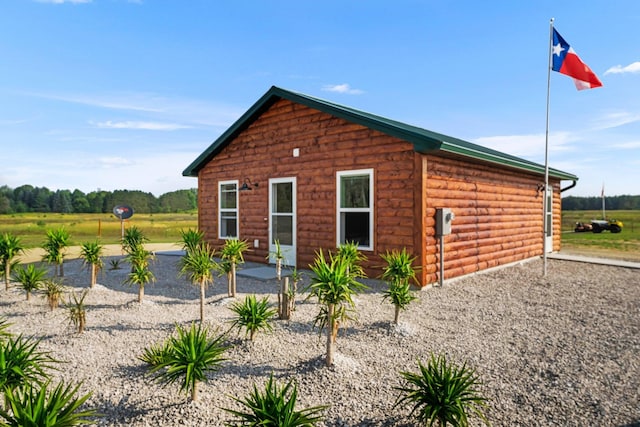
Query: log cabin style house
x=313, y=174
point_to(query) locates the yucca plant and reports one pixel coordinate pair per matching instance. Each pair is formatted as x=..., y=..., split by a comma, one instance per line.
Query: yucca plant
x=10, y=247
x=132, y=239
x=442, y=392
x=334, y=287
x=30, y=278
x=77, y=311
x=140, y=274
x=398, y=272
x=91, y=254
x=191, y=239
x=21, y=362
x=353, y=258
x=224, y=269
x=52, y=290
x=54, y=247
x=253, y=315
x=279, y=257
x=188, y=358
x=156, y=354
x=114, y=264
x=274, y=407
x=232, y=251
x=38, y=406
x=4, y=329
x=199, y=266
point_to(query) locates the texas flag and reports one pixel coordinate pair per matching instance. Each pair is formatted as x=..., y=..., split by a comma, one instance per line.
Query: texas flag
x=566, y=61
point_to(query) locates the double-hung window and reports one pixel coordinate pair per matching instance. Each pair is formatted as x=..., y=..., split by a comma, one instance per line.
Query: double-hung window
x=228, y=209
x=355, y=208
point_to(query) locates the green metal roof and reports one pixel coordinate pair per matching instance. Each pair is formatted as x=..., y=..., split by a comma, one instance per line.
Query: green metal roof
x=424, y=141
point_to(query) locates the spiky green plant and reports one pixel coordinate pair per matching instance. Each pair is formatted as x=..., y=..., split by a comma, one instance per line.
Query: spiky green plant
x=253, y=315
x=115, y=264
x=274, y=407
x=279, y=257
x=191, y=239
x=54, y=247
x=156, y=354
x=77, y=311
x=30, y=278
x=189, y=357
x=334, y=287
x=10, y=247
x=400, y=295
x=91, y=254
x=4, y=329
x=52, y=290
x=398, y=272
x=199, y=266
x=132, y=239
x=224, y=269
x=353, y=258
x=140, y=273
x=442, y=392
x=38, y=406
x=21, y=362
x=232, y=251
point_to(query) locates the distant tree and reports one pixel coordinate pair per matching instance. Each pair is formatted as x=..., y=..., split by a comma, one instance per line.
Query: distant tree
x=61, y=202
x=79, y=202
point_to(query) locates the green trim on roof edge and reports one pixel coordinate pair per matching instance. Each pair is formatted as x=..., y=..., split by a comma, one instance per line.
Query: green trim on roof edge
x=424, y=141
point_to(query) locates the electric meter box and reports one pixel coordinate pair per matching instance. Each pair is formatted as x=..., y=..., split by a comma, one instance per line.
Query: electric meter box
x=444, y=216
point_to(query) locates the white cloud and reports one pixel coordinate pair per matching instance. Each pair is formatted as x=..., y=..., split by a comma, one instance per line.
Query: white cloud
x=342, y=88
x=613, y=120
x=528, y=145
x=110, y=162
x=64, y=1
x=139, y=125
x=627, y=145
x=634, y=67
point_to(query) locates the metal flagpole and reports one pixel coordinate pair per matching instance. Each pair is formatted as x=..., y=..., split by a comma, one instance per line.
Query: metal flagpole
x=546, y=157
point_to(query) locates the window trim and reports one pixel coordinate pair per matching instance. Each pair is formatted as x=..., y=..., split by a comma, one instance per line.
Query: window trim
x=221, y=210
x=370, y=209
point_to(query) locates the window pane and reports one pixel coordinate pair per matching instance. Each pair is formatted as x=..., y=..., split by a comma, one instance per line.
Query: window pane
x=355, y=228
x=283, y=229
x=228, y=196
x=354, y=191
x=228, y=224
x=282, y=199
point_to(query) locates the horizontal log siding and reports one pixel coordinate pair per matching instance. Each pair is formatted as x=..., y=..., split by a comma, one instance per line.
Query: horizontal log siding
x=498, y=217
x=327, y=144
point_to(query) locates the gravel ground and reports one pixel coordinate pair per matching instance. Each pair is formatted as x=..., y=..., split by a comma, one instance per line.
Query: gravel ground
x=561, y=350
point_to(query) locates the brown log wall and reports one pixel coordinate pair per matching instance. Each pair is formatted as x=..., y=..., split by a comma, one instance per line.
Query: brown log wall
x=498, y=216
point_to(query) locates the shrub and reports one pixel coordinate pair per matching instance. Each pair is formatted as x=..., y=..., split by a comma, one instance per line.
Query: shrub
x=76, y=311
x=274, y=407
x=253, y=315
x=30, y=278
x=22, y=363
x=52, y=291
x=442, y=392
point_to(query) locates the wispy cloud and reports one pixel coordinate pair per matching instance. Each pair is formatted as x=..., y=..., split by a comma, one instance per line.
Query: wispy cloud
x=613, y=120
x=139, y=125
x=528, y=145
x=634, y=67
x=342, y=88
x=627, y=145
x=12, y=122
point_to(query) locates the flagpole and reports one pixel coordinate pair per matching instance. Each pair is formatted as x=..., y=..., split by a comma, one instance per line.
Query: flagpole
x=604, y=216
x=546, y=157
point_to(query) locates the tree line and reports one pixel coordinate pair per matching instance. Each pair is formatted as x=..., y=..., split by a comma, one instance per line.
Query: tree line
x=613, y=203
x=28, y=198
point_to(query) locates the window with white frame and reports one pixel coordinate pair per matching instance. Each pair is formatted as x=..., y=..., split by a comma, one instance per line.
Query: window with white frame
x=228, y=209
x=355, y=207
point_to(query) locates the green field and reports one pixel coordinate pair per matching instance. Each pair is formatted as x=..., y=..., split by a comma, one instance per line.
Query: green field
x=158, y=228
x=625, y=244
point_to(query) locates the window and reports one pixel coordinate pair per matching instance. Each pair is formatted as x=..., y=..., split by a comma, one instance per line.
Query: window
x=355, y=208
x=228, y=210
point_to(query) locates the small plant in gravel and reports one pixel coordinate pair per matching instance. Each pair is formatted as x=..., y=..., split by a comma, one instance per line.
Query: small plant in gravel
x=54, y=247
x=132, y=239
x=140, y=274
x=224, y=269
x=114, y=264
x=191, y=239
x=353, y=258
x=232, y=251
x=34, y=405
x=274, y=407
x=77, y=311
x=52, y=291
x=91, y=254
x=334, y=287
x=4, y=329
x=253, y=315
x=443, y=393
x=156, y=354
x=199, y=266
x=21, y=362
x=187, y=358
x=10, y=247
x=30, y=278
x=398, y=272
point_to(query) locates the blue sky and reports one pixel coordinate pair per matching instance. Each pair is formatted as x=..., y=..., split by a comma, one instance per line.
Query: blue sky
x=117, y=94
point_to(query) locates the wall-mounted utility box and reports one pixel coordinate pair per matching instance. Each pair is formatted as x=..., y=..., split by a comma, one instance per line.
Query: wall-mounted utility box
x=444, y=216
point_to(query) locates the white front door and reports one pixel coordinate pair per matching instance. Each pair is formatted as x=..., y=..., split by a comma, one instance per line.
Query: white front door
x=282, y=219
x=548, y=217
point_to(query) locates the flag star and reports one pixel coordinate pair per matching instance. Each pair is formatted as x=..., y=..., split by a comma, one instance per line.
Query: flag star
x=557, y=49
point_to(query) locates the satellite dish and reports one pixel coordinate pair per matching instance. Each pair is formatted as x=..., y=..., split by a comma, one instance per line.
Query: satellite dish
x=123, y=212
